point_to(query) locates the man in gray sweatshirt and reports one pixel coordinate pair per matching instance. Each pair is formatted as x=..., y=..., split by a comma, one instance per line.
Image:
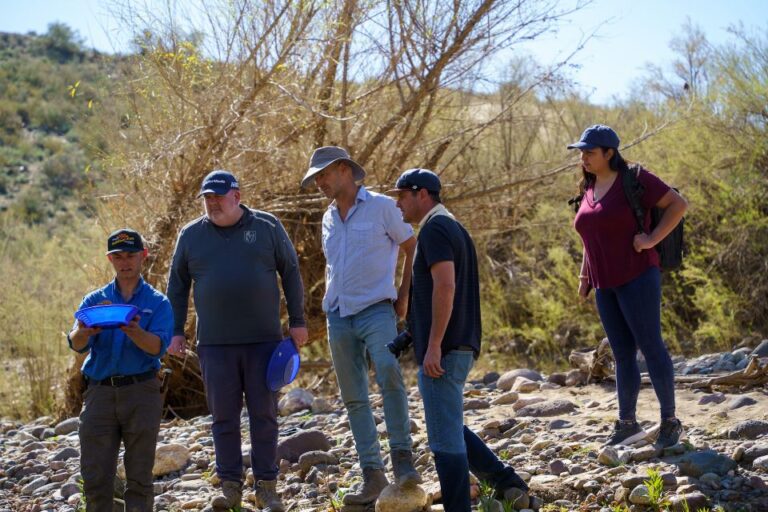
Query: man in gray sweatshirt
x=232, y=257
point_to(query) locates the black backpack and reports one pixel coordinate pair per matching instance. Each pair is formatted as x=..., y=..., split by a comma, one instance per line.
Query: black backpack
x=672, y=247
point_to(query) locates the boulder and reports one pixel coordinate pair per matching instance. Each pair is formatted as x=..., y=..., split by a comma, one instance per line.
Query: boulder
x=402, y=499
x=292, y=447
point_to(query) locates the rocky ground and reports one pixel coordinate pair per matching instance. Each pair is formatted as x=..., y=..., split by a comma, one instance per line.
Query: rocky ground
x=549, y=428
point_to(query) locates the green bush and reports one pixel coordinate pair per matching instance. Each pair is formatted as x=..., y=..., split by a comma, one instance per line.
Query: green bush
x=64, y=172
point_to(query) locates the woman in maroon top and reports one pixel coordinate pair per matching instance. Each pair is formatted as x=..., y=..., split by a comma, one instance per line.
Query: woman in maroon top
x=623, y=267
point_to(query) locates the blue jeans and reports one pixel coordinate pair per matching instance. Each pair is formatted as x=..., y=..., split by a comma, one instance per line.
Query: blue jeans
x=444, y=414
x=456, y=448
x=351, y=338
x=229, y=371
x=631, y=317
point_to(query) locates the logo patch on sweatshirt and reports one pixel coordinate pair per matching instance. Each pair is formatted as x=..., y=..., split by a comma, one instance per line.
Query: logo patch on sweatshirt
x=250, y=237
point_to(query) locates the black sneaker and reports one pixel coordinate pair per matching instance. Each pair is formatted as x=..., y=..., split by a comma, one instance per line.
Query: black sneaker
x=670, y=432
x=625, y=433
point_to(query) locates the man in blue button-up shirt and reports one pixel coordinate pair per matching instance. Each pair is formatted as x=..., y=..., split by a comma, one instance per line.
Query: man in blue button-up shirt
x=362, y=234
x=122, y=401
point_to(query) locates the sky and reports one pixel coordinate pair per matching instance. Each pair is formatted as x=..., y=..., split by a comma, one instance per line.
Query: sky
x=628, y=33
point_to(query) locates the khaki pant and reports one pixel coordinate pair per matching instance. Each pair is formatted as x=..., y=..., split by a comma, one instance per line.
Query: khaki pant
x=130, y=414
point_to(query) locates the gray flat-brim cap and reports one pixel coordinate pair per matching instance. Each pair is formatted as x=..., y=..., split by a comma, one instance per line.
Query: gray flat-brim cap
x=325, y=156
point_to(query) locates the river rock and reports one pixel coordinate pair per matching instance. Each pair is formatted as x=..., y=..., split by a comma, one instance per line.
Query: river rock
x=761, y=463
x=402, y=499
x=507, y=380
x=712, y=398
x=67, y=426
x=688, y=502
x=548, y=408
x=640, y=495
x=316, y=458
x=741, y=401
x=297, y=399
x=507, y=398
x=708, y=461
x=292, y=447
x=749, y=429
x=64, y=454
x=761, y=350
x=524, y=385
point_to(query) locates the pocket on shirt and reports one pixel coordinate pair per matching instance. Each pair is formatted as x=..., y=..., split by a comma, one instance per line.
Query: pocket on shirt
x=361, y=233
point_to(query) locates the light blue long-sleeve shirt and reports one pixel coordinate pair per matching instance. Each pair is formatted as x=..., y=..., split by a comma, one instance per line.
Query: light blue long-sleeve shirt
x=111, y=351
x=361, y=252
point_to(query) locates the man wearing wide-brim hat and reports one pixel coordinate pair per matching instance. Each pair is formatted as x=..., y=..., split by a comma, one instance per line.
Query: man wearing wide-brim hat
x=362, y=234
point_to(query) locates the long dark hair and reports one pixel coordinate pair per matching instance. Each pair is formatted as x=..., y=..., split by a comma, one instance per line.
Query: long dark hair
x=616, y=163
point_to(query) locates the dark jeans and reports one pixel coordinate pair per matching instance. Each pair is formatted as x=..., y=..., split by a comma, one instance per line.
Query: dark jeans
x=111, y=414
x=456, y=448
x=229, y=371
x=631, y=316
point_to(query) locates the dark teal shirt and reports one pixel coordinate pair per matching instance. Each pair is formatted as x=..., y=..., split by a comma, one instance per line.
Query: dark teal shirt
x=233, y=273
x=111, y=351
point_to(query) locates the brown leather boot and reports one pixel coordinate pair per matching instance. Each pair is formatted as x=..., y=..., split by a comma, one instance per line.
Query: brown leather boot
x=266, y=496
x=231, y=496
x=374, y=481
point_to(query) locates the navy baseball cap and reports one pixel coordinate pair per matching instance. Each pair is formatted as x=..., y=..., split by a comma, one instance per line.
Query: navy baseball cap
x=218, y=182
x=595, y=136
x=414, y=179
x=124, y=240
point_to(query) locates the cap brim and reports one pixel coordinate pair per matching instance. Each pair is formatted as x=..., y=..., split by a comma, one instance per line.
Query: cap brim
x=394, y=191
x=132, y=249
x=581, y=145
x=214, y=191
x=309, y=178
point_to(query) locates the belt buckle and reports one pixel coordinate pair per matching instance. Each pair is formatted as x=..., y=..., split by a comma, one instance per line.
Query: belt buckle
x=112, y=381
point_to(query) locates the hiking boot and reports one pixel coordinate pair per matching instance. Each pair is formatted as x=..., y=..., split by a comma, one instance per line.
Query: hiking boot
x=519, y=498
x=402, y=466
x=374, y=481
x=514, y=490
x=670, y=432
x=625, y=433
x=231, y=496
x=266, y=496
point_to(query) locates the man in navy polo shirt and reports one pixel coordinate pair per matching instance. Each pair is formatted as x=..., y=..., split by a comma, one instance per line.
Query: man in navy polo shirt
x=122, y=401
x=444, y=321
x=233, y=256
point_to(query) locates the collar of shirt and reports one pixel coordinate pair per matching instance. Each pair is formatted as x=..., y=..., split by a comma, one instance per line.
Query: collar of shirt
x=362, y=195
x=117, y=297
x=240, y=223
x=438, y=209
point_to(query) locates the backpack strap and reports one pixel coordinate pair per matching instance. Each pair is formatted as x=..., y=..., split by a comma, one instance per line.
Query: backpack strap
x=634, y=190
x=576, y=202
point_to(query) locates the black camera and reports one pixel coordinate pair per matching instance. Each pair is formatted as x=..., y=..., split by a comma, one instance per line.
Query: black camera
x=401, y=343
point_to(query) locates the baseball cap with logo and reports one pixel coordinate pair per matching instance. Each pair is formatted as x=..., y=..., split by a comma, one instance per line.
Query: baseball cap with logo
x=218, y=182
x=124, y=240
